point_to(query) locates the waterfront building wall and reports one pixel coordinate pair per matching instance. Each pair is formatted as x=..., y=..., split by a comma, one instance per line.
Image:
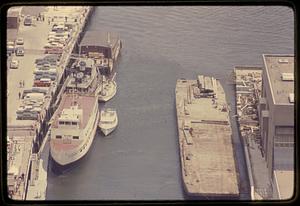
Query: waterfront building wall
x=276, y=114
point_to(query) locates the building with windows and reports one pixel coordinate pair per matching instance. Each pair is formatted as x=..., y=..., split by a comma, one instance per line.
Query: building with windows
x=276, y=116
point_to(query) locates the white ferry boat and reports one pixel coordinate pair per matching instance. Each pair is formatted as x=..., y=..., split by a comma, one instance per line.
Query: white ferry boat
x=108, y=120
x=75, y=121
x=73, y=127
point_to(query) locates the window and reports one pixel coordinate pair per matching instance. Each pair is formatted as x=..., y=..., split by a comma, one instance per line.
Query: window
x=58, y=137
x=68, y=123
x=61, y=122
x=284, y=130
x=285, y=138
x=284, y=144
x=75, y=137
x=74, y=123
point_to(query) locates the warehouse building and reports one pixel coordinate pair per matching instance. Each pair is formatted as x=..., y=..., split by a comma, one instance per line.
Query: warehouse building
x=13, y=23
x=276, y=116
x=13, y=16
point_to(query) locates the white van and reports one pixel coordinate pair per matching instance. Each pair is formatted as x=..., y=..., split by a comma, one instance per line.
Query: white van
x=34, y=96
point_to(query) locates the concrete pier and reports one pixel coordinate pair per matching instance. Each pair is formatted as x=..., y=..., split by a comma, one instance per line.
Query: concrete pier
x=22, y=79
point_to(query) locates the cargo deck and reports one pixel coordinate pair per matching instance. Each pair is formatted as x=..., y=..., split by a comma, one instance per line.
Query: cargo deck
x=205, y=139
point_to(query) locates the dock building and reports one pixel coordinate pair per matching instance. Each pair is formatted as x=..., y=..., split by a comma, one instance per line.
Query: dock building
x=276, y=117
x=13, y=23
x=13, y=18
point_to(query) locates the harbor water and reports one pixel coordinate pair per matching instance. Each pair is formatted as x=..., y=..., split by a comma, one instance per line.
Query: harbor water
x=140, y=159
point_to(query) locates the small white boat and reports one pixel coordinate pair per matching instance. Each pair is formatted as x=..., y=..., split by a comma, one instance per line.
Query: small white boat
x=108, y=91
x=108, y=120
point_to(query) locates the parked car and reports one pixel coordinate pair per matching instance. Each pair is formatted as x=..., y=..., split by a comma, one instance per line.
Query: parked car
x=20, y=41
x=44, y=82
x=53, y=51
x=14, y=64
x=10, y=43
x=20, y=51
x=27, y=20
x=10, y=49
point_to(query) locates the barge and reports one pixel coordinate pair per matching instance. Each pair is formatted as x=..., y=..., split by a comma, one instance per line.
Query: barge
x=205, y=140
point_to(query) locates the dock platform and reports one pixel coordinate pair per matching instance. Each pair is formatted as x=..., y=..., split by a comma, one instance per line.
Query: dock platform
x=205, y=139
x=32, y=146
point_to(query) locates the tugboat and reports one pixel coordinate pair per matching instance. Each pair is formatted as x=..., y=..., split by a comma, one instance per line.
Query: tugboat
x=108, y=120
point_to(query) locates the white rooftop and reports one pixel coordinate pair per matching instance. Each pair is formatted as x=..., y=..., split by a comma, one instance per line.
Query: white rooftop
x=279, y=70
x=71, y=114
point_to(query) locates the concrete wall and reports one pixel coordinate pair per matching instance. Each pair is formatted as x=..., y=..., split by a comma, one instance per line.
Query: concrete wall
x=284, y=115
x=283, y=158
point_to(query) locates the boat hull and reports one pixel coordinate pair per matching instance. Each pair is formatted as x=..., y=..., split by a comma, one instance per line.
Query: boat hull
x=107, y=130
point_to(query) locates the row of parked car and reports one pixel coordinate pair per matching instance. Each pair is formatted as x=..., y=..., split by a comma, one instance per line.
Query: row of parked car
x=16, y=47
x=58, y=38
x=33, y=99
x=46, y=70
x=31, y=106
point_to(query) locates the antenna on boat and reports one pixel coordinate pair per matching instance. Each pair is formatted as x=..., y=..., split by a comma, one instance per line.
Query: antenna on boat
x=108, y=37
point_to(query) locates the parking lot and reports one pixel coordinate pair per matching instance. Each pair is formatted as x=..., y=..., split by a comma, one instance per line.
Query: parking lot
x=50, y=33
x=35, y=37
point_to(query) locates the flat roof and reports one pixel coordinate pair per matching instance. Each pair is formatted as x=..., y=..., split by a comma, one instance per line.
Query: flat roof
x=13, y=11
x=275, y=65
x=33, y=10
x=19, y=153
x=284, y=183
x=99, y=38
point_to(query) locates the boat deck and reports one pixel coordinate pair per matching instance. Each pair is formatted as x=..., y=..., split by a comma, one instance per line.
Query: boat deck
x=108, y=115
x=207, y=158
x=84, y=102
